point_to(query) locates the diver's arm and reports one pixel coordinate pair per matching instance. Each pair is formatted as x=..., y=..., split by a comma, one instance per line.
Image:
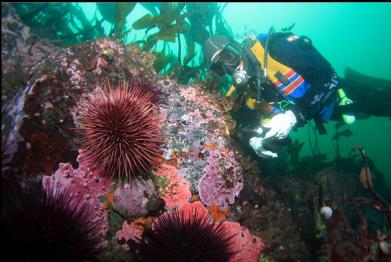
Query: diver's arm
x=318, y=102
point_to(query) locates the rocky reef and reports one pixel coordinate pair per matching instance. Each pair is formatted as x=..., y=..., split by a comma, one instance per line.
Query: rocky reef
x=43, y=88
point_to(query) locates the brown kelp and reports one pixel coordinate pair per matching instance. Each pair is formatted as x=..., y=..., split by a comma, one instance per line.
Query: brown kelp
x=193, y=21
x=116, y=14
x=188, y=25
x=366, y=181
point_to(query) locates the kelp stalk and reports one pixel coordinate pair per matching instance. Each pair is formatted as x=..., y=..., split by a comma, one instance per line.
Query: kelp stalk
x=368, y=183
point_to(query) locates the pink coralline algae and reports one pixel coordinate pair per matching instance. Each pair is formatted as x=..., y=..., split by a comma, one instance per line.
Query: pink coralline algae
x=176, y=192
x=106, y=44
x=82, y=182
x=76, y=77
x=101, y=63
x=193, y=95
x=247, y=247
x=134, y=197
x=222, y=180
x=128, y=232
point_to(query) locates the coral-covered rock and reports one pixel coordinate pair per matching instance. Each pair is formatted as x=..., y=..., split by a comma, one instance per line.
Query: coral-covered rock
x=218, y=214
x=129, y=231
x=82, y=182
x=195, y=125
x=176, y=192
x=134, y=197
x=38, y=120
x=222, y=180
x=21, y=52
x=193, y=120
x=247, y=246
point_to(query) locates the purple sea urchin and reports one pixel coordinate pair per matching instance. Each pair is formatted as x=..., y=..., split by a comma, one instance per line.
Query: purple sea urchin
x=119, y=130
x=40, y=226
x=184, y=235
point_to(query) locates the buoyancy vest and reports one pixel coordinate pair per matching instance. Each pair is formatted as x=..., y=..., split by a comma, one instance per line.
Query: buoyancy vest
x=286, y=80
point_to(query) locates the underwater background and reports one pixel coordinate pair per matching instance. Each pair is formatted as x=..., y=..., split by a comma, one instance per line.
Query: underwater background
x=323, y=199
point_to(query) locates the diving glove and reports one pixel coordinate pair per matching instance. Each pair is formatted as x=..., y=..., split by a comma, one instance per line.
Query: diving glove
x=344, y=100
x=257, y=144
x=280, y=125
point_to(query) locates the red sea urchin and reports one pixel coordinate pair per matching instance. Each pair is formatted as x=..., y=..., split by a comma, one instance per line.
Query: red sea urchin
x=184, y=235
x=119, y=130
x=39, y=225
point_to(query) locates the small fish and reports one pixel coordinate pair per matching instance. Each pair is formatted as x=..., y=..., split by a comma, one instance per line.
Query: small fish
x=345, y=133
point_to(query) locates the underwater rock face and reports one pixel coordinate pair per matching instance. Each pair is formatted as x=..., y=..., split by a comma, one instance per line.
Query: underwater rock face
x=222, y=180
x=176, y=193
x=193, y=124
x=37, y=121
x=39, y=135
x=21, y=52
x=247, y=246
x=195, y=128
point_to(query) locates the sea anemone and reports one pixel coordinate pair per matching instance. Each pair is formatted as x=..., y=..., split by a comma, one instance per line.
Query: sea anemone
x=37, y=225
x=119, y=129
x=184, y=235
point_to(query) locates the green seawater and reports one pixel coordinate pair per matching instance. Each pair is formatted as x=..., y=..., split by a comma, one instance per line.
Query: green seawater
x=355, y=35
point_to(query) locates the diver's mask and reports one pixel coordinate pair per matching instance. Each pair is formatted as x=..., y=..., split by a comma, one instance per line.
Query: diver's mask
x=225, y=61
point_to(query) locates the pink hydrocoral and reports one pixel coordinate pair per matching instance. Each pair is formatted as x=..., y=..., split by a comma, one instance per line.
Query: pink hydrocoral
x=128, y=232
x=248, y=246
x=222, y=180
x=177, y=192
x=82, y=182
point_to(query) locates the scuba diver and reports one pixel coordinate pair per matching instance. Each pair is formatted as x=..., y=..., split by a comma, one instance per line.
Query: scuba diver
x=281, y=81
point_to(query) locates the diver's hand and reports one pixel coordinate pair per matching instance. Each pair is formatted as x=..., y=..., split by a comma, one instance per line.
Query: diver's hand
x=280, y=125
x=256, y=144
